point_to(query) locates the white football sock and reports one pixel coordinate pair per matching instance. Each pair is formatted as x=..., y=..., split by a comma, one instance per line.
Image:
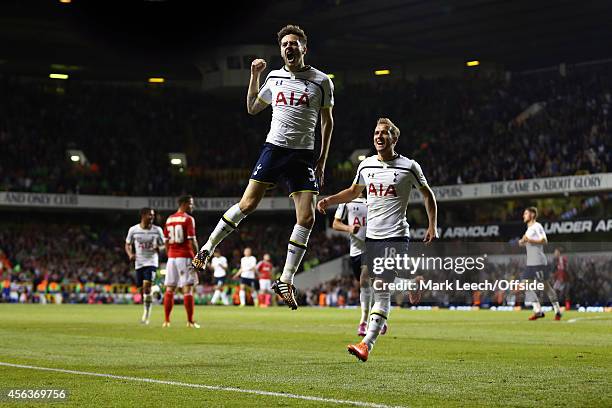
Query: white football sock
x=242, y=294
x=535, y=303
x=148, y=302
x=552, y=296
x=378, y=317
x=365, y=298
x=226, y=225
x=215, y=297
x=295, y=252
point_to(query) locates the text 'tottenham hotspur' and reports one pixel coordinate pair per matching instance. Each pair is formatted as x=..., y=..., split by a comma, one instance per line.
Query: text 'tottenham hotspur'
x=412, y=285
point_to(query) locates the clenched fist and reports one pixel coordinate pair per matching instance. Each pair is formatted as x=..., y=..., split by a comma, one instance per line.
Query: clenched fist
x=257, y=66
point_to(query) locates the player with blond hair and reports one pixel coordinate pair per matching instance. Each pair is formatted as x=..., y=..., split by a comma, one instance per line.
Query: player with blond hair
x=388, y=178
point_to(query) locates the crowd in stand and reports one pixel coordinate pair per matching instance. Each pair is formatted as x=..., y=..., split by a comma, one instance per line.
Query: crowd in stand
x=460, y=130
x=464, y=130
x=85, y=258
x=586, y=282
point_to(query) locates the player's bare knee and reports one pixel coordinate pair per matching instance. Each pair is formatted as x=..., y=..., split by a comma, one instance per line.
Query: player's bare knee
x=306, y=220
x=248, y=204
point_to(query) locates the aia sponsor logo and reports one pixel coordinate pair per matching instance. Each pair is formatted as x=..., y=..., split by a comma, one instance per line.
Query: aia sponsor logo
x=381, y=190
x=293, y=100
x=359, y=221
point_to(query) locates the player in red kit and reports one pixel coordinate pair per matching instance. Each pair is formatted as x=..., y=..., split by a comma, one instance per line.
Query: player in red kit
x=182, y=244
x=561, y=277
x=264, y=272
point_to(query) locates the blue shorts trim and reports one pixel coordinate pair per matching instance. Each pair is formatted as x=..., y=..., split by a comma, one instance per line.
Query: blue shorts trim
x=295, y=166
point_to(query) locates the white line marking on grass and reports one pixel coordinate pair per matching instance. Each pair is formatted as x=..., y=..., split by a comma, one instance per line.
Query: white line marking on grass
x=203, y=386
x=585, y=318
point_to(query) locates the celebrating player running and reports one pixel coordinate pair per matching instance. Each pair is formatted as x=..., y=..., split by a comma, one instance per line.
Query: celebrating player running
x=389, y=178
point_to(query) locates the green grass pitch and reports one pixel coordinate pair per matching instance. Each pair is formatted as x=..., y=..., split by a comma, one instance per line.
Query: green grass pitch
x=428, y=358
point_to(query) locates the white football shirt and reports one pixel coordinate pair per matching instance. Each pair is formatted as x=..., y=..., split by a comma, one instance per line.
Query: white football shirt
x=146, y=242
x=355, y=213
x=247, y=267
x=296, y=99
x=218, y=262
x=388, y=185
x=535, y=252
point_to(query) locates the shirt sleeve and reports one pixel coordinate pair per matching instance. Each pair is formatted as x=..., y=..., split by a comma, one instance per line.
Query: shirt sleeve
x=359, y=180
x=341, y=212
x=190, y=228
x=419, y=177
x=541, y=232
x=265, y=92
x=130, y=236
x=328, y=93
x=160, y=238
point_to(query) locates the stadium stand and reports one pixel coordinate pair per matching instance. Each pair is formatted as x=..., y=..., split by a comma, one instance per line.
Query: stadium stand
x=70, y=256
x=488, y=129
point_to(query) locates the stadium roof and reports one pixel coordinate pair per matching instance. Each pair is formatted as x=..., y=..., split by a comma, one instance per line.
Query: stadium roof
x=136, y=38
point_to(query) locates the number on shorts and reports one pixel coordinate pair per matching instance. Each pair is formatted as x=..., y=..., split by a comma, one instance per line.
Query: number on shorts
x=390, y=252
x=540, y=275
x=312, y=175
x=176, y=234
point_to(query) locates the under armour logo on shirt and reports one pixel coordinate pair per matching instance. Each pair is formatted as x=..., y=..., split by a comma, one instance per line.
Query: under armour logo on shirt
x=395, y=174
x=257, y=169
x=370, y=175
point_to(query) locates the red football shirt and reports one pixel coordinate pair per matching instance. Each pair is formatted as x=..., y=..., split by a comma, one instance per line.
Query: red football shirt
x=264, y=269
x=179, y=231
x=561, y=272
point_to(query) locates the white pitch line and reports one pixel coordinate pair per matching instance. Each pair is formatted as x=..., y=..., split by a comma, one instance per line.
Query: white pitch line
x=204, y=386
x=585, y=318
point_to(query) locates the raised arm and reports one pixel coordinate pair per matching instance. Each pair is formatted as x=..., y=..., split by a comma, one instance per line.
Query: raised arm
x=254, y=103
x=432, y=213
x=327, y=127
